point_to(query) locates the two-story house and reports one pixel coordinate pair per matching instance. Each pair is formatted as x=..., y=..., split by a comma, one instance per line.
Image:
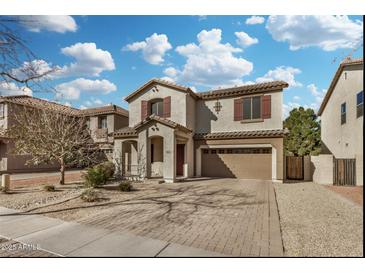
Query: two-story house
x=175, y=132
x=102, y=121
x=342, y=116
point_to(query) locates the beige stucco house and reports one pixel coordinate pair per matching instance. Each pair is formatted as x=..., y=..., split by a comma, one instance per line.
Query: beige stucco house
x=342, y=121
x=102, y=121
x=176, y=133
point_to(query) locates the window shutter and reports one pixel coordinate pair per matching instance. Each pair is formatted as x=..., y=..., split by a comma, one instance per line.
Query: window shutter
x=144, y=109
x=167, y=107
x=238, y=109
x=266, y=107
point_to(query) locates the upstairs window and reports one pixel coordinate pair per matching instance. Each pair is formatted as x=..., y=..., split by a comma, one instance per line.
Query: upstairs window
x=157, y=107
x=360, y=104
x=252, y=108
x=102, y=122
x=343, y=113
x=88, y=123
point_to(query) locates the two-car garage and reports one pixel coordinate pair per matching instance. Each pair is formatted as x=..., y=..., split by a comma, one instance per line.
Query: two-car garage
x=238, y=162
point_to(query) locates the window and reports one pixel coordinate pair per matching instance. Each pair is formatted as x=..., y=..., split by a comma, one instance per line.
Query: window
x=360, y=104
x=157, y=107
x=252, y=108
x=343, y=113
x=88, y=123
x=205, y=151
x=1, y=110
x=221, y=151
x=102, y=122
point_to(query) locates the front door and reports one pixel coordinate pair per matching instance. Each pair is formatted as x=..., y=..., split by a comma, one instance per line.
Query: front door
x=180, y=151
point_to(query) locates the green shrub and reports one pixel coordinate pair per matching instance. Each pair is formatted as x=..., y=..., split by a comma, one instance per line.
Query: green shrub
x=95, y=176
x=125, y=186
x=89, y=195
x=50, y=188
x=109, y=168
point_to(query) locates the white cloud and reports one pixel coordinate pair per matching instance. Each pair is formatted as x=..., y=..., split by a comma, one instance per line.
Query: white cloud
x=253, y=20
x=202, y=17
x=296, y=98
x=34, y=68
x=72, y=90
x=171, y=72
x=153, y=48
x=318, y=96
x=244, y=40
x=57, y=23
x=282, y=73
x=10, y=88
x=90, y=61
x=324, y=31
x=212, y=63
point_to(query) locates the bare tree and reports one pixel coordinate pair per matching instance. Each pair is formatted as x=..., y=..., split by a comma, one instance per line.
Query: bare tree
x=18, y=64
x=48, y=137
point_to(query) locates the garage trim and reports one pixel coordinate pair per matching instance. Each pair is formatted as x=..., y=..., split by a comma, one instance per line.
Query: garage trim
x=200, y=148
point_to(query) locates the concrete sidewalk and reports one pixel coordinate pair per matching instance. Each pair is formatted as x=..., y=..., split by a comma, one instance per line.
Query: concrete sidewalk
x=76, y=240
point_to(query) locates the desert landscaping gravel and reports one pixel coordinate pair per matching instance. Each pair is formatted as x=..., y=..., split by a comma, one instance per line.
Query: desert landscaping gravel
x=316, y=221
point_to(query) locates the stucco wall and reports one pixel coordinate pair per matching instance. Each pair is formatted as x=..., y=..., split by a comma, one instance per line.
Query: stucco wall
x=178, y=104
x=344, y=141
x=207, y=120
x=322, y=169
x=120, y=121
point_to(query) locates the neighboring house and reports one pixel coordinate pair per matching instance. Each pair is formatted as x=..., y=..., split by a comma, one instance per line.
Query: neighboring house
x=102, y=121
x=342, y=118
x=176, y=133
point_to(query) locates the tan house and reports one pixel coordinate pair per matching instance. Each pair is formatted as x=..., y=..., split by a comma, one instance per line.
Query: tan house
x=103, y=121
x=342, y=121
x=176, y=133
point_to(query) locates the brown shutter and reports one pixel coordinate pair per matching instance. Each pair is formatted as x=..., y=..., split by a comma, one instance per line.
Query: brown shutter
x=266, y=107
x=167, y=107
x=144, y=109
x=238, y=109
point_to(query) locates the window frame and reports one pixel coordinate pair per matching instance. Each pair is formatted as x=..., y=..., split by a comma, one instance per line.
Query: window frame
x=251, y=119
x=343, y=113
x=359, y=107
x=158, y=101
x=100, y=122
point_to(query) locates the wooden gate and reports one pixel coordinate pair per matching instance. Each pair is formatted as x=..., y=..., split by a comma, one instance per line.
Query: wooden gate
x=344, y=172
x=295, y=167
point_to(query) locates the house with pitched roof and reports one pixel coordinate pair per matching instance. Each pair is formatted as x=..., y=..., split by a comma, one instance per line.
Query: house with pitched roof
x=102, y=123
x=175, y=133
x=342, y=125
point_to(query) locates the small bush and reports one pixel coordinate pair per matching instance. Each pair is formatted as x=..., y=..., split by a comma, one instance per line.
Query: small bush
x=90, y=195
x=125, y=186
x=50, y=188
x=95, y=176
x=108, y=168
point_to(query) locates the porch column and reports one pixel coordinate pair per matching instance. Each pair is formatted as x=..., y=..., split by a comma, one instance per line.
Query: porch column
x=169, y=157
x=189, y=159
x=143, y=152
x=117, y=157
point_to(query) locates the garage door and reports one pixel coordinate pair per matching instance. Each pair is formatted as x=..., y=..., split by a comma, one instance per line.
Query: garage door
x=243, y=163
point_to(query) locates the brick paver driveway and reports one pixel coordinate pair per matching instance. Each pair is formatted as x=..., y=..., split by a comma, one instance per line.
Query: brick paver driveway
x=230, y=216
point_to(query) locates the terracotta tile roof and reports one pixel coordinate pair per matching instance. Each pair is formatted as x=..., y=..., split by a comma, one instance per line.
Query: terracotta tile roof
x=29, y=101
x=241, y=134
x=105, y=110
x=125, y=132
x=243, y=90
x=161, y=120
x=344, y=63
x=162, y=83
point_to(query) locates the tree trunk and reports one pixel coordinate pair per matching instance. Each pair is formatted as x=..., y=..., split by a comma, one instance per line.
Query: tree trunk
x=62, y=170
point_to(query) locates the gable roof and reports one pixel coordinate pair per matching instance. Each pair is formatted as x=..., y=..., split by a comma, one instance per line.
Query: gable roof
x=271, y=133
x=345, y=63
x=162, y=83
x=243, y=90
x=33, y=102
x=163, y=121
x=110, y=109
x=217, y=93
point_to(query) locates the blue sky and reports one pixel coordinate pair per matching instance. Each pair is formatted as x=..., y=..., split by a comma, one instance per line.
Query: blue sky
x=102, y=59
